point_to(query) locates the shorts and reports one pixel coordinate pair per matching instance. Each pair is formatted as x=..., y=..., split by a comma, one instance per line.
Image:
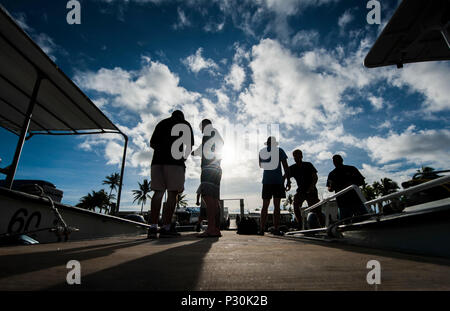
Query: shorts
x=210, y=181
x=276, y=191
x=310, y=197
x=167, y=177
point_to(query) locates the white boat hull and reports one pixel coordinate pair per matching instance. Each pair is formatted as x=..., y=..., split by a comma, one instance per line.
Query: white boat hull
x=22, y=213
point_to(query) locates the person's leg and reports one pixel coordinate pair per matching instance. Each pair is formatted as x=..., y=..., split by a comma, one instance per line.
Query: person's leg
x=263, y=220
x=312, y=199
x=170, y=207
x=155, y=207
x=211, y=212
x=298, y=202
x=276, y=213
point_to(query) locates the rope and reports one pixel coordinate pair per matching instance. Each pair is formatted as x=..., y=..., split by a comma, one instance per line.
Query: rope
x=60, y=229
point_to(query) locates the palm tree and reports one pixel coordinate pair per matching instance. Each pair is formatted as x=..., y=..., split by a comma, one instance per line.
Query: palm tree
x=113, y=182
x=368, y=191
x=288, y=202
x=385, y=186
x=96, y=199
x=142, y=194
x=181, y=200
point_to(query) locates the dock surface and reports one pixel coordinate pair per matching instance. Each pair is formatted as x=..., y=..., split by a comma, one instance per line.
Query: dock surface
x=232, y=262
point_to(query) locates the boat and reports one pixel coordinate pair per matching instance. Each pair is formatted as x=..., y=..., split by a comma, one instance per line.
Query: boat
x=417, y=219
x=37, y=98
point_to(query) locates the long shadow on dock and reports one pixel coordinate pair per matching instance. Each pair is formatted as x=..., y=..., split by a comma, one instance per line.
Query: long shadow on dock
x=373, y=251
x=29, y=262
x=177, y=268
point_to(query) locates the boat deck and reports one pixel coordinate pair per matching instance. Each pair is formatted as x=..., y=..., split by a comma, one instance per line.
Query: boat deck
x=233, y=262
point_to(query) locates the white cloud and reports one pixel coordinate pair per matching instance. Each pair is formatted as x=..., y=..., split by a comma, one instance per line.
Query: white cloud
x=345, y=19
x=306, y=38
x=377, y=102
x=196, y=62
x=236, y=77
x=153, y=88
x=183, y=21
x=420, y=147
x=430, y=79
x=305, y=91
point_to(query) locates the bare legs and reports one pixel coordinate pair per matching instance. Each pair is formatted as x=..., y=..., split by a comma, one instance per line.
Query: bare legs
x=276, y=213
x=212, y=210
x=168, y=210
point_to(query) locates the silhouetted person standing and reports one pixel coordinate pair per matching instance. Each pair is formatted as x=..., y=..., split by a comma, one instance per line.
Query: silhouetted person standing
x=211, y=153
x=305, y=175
x=341, y=177
x=172, y=143
x=270, y=159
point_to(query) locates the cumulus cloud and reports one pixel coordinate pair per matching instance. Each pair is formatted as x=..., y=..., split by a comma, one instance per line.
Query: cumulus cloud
x=429, y=79
x=236, y=77
x=153, y=88
x=420, y=147
x=306, y=90
x=196, y=62
x=376, y=102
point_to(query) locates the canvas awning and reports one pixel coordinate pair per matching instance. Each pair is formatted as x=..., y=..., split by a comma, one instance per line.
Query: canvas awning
x=419, y=31
x=36, y=97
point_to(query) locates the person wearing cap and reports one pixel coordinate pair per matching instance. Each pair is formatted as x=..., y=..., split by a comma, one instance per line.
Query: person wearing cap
x=211, y=153
x=172, y=142
x=271, y=158
x=305, y=175
x=349, y=204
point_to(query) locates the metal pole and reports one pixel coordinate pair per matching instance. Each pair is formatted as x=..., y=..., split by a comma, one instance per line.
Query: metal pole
x=26, y=124
x=121, y=174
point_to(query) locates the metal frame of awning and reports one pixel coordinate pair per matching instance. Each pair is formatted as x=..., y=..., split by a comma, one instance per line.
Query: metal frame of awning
x=33, y=102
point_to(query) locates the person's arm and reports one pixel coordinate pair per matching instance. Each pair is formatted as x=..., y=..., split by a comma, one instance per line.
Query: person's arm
x=315, y=178
x=286, y=173
x=330, y=184
x=198, y=199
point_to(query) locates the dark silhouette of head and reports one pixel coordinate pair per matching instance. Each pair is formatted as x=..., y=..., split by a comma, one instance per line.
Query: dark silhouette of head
x=178, y=115
x=271, y=141
x=205, y=123
x=298, y=156
x=337, y=160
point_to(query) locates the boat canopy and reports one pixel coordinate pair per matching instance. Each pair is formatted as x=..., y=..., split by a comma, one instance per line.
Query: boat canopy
x=419, y=31
x=36, y=97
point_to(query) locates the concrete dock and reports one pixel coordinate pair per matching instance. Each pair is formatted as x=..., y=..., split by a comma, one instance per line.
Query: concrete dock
x=232, y=262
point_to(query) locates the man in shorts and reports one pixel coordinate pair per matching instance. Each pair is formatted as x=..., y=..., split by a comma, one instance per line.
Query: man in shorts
x=270, y=159
x=172, y=143
x=211, y=153
x=305, y=175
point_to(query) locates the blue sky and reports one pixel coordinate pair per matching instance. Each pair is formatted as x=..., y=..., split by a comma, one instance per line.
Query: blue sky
x=297, y=64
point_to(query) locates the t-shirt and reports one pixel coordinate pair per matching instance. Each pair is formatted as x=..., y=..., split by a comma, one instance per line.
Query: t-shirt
x=344, y=176
x=162, y=141
x=272, y=175
x=212, y=151
x=303, y=174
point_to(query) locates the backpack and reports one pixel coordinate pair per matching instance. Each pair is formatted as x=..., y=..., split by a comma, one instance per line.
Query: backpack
x=247, y=225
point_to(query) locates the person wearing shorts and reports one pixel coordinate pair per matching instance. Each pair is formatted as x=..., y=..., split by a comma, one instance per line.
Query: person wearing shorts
x=168, y=169
x=271, y=158
x=305, y=174
x=209, y=189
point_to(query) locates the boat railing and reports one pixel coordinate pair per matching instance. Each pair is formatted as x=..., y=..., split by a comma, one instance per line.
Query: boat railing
x=349, y=188
x=373, y=204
